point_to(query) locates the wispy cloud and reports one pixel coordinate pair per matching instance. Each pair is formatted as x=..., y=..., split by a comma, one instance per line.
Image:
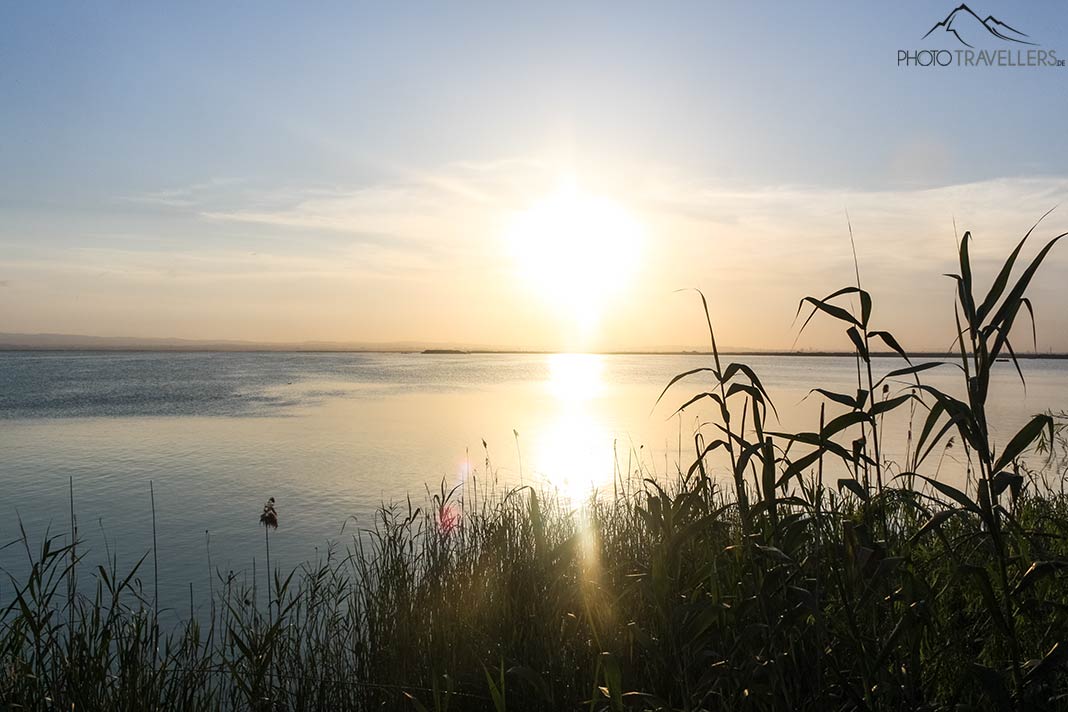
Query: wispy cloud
x=380, y=210
x=184, y=196
x=908, y=224
x=461, y=206
x=425, y=246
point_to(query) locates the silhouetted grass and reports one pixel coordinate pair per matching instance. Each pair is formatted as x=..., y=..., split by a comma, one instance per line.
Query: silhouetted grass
x=783, y=570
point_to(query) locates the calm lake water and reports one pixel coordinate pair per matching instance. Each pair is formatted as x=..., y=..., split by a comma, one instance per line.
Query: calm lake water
x=331, y=436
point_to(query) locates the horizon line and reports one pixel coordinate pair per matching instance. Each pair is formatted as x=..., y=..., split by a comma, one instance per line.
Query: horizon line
x=1029, y=355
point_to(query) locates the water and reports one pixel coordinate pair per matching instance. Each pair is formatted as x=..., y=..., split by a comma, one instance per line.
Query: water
x=331, y=436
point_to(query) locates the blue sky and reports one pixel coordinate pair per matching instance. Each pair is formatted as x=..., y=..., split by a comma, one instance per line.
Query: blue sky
x=340, y=171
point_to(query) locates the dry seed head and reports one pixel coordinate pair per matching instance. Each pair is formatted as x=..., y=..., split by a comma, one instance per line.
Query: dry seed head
x=269, y=518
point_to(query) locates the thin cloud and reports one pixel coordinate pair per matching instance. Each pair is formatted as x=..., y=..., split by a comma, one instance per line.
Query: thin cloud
x=418, y=250
x=182, y=197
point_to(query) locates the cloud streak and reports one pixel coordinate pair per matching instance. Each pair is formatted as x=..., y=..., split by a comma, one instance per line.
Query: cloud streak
x=426, y=249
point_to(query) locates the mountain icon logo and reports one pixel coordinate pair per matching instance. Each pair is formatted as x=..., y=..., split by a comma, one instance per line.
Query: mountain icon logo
x=969, y=29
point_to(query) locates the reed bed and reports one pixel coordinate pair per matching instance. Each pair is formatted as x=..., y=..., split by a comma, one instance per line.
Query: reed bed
x=782, y=570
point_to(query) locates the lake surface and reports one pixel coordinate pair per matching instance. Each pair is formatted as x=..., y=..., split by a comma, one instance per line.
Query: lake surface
x=331, y=436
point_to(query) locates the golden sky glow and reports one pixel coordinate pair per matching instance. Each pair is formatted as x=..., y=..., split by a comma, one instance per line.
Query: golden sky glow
x=508, y=255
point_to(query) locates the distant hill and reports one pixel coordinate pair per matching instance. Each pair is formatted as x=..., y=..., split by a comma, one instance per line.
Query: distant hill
x=79, y=342
x=75, y=342
x=69, y=342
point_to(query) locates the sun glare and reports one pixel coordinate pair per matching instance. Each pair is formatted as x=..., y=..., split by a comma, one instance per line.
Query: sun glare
x=575, y=377
x=574, y=451
x=576, y=251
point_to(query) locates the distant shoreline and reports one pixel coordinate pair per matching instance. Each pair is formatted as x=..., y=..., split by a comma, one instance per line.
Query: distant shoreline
x=481, y=352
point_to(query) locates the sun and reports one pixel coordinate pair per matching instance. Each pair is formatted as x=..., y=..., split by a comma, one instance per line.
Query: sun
x=577, y=251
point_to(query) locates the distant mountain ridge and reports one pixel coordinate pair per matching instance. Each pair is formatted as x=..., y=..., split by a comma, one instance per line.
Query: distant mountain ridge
x=82, y=342
x=964, y=24
x=73, y=342
x=79, y=342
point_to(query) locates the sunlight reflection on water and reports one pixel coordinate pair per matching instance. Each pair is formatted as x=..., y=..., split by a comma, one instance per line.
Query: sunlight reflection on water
x=573, y=449
x=331, y=436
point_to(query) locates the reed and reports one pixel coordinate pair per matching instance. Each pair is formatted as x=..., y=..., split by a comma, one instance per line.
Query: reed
x=782, y=570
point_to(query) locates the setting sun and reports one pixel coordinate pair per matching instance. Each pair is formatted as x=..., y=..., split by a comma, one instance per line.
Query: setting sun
x=576, y=251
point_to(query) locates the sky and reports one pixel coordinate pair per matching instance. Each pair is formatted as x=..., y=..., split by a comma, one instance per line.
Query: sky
x=379, y=173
